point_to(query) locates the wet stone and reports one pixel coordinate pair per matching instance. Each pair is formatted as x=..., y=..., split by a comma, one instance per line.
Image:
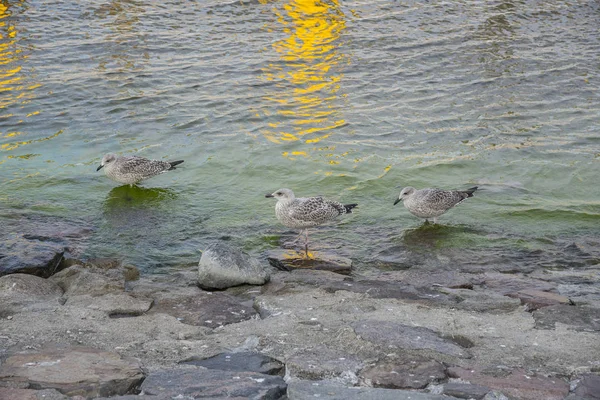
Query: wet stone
x=465, y=390
x=73, y=371
x=579, y=318
x=415, y=373
x=242, y=361
x=289, y=260
x=389, y=334
x=214, y=384
x=20, y=255
x=518, y=383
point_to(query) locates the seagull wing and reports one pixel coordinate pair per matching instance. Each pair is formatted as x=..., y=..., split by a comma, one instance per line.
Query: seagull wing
x=315, y=209
x=141, y=165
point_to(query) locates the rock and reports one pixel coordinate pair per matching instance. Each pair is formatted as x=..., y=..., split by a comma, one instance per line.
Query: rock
x=517, y=383
x=391, y=290
x=410, y=373
x=482, y=301
x=79, y=280
x=465, y=390
x=323, y=390
x=20, y=255
x=194, y=307
x=242, y=361
x=534, y=299
x=505, y=284
x=324, y=363
x=214, y=384
x=222, y=266
x=20, y=290
x=588, y=387
x=113, y=304
x=579, y=318
x=495, y=395
x=29, y=394
x=289, y=260
x=73, y=371
x=392, y=334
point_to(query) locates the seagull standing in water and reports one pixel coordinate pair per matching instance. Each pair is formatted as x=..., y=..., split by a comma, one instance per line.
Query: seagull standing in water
x=133, y=169
x=306, y=212
x=431, y=203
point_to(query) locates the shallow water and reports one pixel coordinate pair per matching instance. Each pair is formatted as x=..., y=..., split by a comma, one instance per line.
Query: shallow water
x=350, y=100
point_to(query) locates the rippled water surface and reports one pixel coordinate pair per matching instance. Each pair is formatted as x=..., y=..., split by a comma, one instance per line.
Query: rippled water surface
x=346, y=99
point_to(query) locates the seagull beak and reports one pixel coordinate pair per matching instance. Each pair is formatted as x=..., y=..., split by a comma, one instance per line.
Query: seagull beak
x=397, y=201
x=269, y=195
x=99, y=168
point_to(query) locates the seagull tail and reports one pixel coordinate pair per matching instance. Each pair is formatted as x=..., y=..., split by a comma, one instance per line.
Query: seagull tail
x=349, y=207
x=174, y=163
x=470, y=191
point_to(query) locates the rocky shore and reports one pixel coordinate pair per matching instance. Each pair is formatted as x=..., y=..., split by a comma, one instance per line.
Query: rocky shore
x=238, y=328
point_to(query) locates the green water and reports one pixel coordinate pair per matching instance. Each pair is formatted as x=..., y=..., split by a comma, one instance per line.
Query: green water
x=349, y=100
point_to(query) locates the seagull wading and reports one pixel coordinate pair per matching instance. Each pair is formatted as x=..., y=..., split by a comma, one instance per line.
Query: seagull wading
x=133, y=169
x=306, y=212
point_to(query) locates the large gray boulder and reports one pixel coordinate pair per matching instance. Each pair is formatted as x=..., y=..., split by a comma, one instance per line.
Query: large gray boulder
x=222, y=266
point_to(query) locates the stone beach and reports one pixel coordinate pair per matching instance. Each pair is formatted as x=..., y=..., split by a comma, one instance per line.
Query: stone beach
x=101, y=329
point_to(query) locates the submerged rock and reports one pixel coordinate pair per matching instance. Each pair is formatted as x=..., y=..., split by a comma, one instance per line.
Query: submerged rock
x=73, y=371
x=222, y=266
x=288, y=260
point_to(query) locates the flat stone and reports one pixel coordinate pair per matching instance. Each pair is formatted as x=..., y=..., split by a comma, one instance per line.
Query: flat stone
x=392, y=334
x=289, y=260
x=324, y=363
x=199, y=308
x=113, y=304
x=505, y=284
x=578, y=318
x=310, y=390
x=482, y=301
x=496, y=395
x=588, y=387
x=30, y=394
x=411, y=373
x=18, y=291
x=242, y=361
x=465, y=390
x=214, y=384
x=222, y=266
x=517, y=383
x=73, y=371
x=534, y=299
x=25, y=256
x=80, y=280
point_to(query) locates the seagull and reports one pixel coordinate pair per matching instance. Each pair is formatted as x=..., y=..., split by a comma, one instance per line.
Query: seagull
x=306, y=212
x=431, y=203
x=133, y=169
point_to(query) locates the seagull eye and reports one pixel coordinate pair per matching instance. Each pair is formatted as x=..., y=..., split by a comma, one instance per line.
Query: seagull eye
x=278, y=193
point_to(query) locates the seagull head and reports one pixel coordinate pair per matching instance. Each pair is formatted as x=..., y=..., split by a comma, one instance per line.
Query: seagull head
x=282, y=195
x=405, y=193
x=107, y=159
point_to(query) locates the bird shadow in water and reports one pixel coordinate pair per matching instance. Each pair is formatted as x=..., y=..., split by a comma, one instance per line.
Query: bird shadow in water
x=433, y=235
x=134, y=196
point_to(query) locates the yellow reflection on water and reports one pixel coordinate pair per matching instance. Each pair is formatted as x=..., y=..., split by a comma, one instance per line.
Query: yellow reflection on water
x=16, y=86
x=305, y=98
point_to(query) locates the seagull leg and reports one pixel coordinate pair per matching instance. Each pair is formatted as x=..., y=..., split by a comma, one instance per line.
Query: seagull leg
x=293, y=242
x=306, y=242
x=435, y=220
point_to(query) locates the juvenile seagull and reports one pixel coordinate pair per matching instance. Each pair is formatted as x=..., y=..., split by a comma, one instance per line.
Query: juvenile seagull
x=306, y=212
x=431, y=203
x=133, y=169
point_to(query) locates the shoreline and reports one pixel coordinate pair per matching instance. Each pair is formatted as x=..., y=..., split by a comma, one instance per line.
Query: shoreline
x=408, y=332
